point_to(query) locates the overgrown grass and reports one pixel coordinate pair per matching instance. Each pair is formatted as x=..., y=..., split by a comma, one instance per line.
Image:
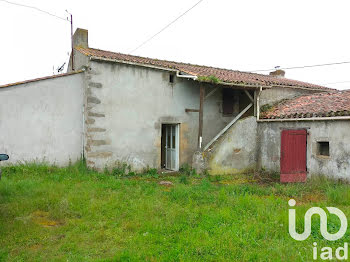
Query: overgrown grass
x=209, y=79
x=75, y=214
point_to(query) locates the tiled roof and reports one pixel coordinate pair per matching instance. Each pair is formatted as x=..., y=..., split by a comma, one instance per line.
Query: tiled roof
x=315, y=105
x=223, y=75
x=41, y=78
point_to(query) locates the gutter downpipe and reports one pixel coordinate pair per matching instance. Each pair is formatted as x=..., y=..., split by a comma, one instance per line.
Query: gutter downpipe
x=185, y=76
x=83, y=136
x=84, y=105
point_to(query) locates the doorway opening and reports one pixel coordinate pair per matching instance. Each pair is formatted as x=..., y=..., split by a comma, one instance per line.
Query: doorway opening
x=170, y=147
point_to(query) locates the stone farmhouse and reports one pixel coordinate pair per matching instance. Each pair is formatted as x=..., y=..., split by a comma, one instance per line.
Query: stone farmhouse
x=113, y=108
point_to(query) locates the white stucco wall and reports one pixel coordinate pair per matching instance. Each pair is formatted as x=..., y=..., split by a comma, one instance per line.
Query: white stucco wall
x=236, y=151
x=42, y=120
x=273, y=95
x=248, y=144
x=126, y=106
x=336, y=132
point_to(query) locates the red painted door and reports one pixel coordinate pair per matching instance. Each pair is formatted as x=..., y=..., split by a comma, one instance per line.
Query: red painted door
x=293, y=156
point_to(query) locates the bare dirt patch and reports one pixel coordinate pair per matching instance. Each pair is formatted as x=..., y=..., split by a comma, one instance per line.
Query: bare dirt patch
x=42, y=218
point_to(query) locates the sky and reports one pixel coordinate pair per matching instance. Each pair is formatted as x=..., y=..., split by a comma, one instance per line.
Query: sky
x=244, y=35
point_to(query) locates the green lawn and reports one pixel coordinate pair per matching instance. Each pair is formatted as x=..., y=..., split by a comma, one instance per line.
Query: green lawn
x=73, y=214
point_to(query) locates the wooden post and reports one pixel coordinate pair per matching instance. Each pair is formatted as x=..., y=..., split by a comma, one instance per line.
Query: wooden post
x=200, y=125
x=258, y=103
x=255, y=98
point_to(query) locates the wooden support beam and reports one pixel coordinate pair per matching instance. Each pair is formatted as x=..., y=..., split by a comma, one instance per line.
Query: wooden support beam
x=255, y=99
x=211, y=93
x=258, y=104
x=228, y=126
x=200, y=124
x=250, y=97
x=188, y=110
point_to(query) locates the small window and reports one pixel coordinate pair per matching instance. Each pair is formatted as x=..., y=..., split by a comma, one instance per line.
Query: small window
x=171, y=78
x=323, y=148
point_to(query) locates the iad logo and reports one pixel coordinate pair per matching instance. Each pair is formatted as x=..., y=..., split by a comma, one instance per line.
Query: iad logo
x=323, y=222
x=341, y=253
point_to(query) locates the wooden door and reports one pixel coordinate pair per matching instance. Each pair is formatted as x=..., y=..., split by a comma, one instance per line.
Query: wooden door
x=293, y=156
x=172, y=147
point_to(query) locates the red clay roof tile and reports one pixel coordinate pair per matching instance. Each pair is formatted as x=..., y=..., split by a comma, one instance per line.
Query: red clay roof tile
x=223, y=75
x=315, y=105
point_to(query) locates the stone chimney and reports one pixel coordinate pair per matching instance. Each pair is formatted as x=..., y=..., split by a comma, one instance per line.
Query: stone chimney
x=279, y=73
x=81, y=38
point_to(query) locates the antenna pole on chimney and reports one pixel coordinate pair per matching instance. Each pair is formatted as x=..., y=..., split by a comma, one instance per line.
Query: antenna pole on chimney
x=71, y=37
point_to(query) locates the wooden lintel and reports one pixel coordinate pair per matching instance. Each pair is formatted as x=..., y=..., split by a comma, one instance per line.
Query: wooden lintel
x=255, y=99
x=188, y=110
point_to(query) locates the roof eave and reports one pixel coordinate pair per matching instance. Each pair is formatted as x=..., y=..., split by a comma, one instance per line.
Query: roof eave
x=194, y=77
x=304, y=119
x=178, y=72
x=41, y=78
x=303, y=88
